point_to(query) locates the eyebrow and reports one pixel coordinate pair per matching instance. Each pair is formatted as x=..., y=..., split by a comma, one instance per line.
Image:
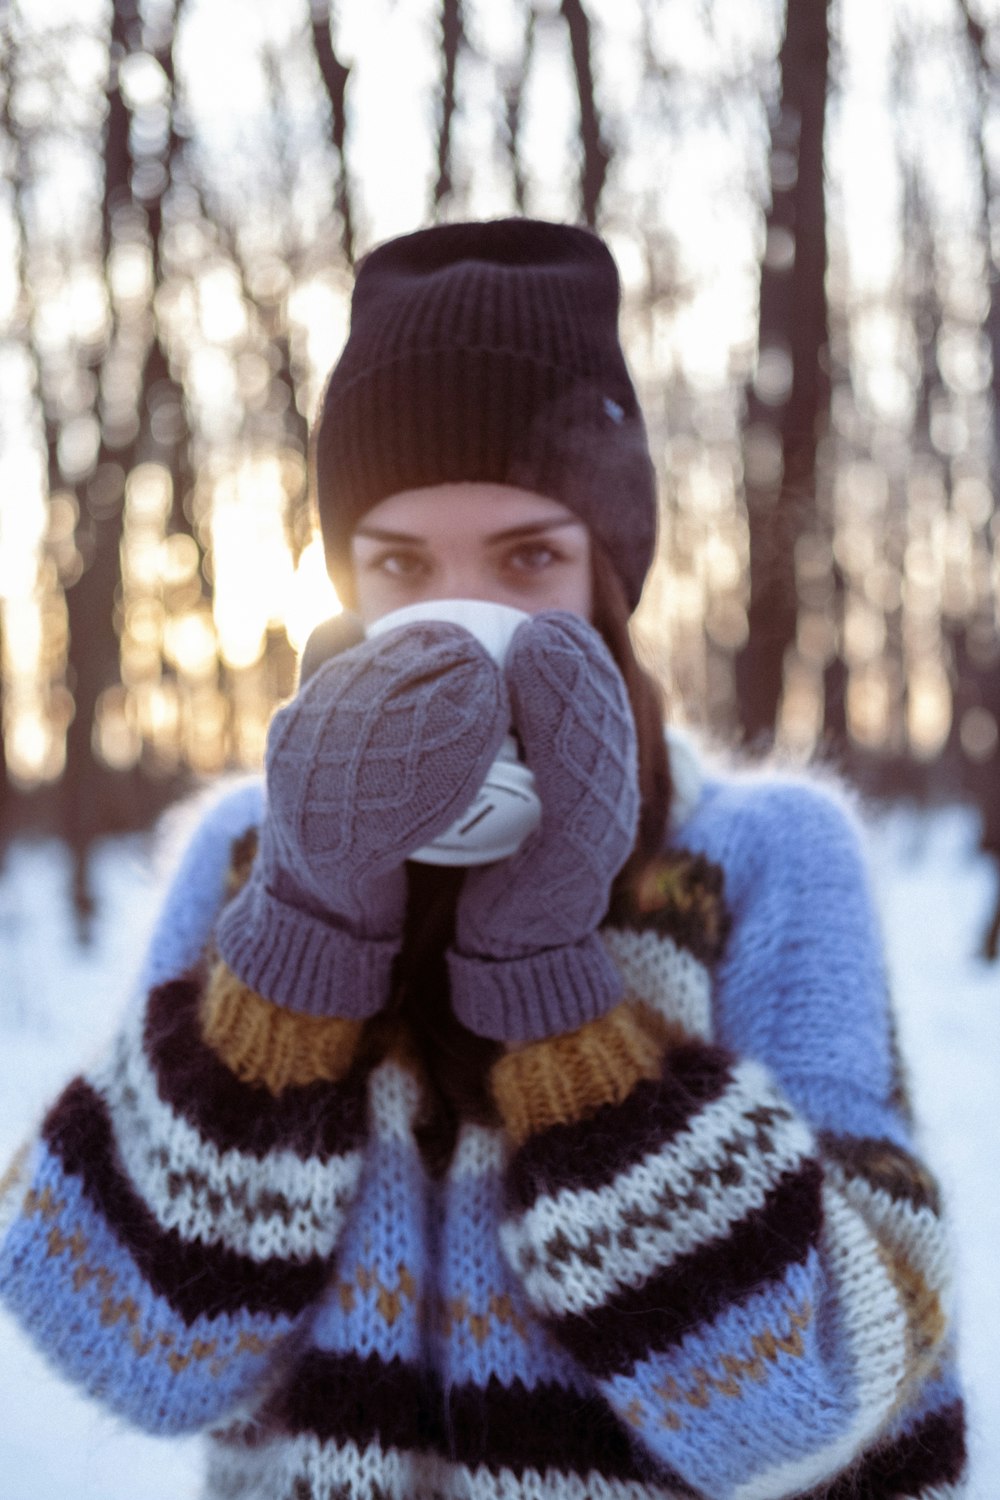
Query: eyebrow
x=530, y=528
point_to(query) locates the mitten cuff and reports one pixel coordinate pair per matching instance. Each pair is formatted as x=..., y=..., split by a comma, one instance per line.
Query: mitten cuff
x=301, y=961
x=541, y=995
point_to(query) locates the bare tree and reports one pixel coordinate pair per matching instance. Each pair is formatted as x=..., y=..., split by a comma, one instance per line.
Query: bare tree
x=204, y=370
x=335, y=76
x=512, y=92
x=983, y=675
x=164, y=409
x=596, y=153
x=18, y=176
x=452, y=39
x=787, y=407
x=93, y=643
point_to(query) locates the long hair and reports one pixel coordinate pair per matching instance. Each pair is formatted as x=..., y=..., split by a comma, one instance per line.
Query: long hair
x=454, y=1060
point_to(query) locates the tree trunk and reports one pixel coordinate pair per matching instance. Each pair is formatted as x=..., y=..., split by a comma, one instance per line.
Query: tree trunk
x=93, y=642
x=788, y=406
x=596, y=154
x=984, y=776
x=164, y=414
x=452, y=36
x=985, y=84
x=513, y=111
x=335, y=75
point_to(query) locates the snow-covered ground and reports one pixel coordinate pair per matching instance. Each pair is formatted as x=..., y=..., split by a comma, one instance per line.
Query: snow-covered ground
x=59, y=1004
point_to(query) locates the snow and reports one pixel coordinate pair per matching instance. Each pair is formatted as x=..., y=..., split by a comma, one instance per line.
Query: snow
x=60, y=1002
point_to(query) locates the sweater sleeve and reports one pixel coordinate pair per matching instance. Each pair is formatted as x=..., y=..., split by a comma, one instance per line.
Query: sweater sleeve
x=173, y=1225
x=738, y=1243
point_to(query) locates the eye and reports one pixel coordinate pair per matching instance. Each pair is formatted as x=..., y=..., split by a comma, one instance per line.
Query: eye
x=398, y=563
x=531, y=557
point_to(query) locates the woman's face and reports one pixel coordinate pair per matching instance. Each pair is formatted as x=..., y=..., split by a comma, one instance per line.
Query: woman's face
x=471, y=541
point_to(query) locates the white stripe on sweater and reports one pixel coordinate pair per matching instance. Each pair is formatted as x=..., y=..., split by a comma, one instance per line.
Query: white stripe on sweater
x=548, y=1484
x=591, y=1222
x=915, y=1235
x=220, y=1197
x=668, y=978
x=286, y=1467
x=874, y=1324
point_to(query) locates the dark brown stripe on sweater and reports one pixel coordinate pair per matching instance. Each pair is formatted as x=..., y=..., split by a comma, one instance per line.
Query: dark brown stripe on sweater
x=592, y=1152
x=341, y=1398
x=883, y=1164
x=320, y=1120
x=547, y=1426
x=931, y=1453
x=640, y=1322
x=195, y=1279
x=679, y=895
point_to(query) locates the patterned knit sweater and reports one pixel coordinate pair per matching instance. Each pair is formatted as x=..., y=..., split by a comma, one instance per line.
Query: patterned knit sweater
x=698, y=1259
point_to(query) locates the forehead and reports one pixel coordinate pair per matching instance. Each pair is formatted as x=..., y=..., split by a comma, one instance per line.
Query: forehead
x=464, y=509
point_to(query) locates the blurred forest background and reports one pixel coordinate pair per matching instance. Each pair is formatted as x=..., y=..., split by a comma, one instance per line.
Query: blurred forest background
x=803, y=201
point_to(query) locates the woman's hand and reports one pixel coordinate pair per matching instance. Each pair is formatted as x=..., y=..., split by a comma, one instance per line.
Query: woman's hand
x=527, y=960
x=380, y=751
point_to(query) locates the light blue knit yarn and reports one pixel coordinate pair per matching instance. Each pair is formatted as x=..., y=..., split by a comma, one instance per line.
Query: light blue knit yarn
x=801, y=988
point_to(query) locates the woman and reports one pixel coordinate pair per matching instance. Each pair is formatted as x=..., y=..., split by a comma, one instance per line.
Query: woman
x=585, y=1172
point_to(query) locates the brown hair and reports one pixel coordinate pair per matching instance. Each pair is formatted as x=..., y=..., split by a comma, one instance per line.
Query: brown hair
x=454, y=1060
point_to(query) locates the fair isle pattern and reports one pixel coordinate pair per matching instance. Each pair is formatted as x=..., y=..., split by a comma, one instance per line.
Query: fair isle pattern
x=407, y=1390
x=667, y=1283
x=875, y=1338
x=98, y=1317
x=839, y=1264
x=487, y=1328
x=118, y=1308
x=576, y=1249
x=282, y=1205
x=730, y=1373
x=170, y=1324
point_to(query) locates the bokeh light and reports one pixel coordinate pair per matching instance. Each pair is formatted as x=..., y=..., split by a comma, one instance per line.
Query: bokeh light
x=162, y=353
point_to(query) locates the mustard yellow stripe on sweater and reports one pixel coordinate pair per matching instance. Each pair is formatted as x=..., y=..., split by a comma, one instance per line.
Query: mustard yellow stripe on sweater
x=266, y=1044
x=569, y=1077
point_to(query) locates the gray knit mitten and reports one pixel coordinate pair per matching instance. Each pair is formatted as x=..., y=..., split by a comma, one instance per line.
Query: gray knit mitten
x=527, y=960
x=379, y=752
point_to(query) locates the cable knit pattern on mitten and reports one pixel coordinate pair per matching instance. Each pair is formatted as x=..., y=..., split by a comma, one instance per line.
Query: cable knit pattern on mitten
x=381, y=750
x=527, y=962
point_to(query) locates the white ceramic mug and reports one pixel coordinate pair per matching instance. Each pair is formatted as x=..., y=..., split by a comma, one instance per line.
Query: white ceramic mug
x=506, y=807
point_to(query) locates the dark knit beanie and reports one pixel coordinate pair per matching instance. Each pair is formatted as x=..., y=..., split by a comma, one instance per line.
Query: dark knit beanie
x=488, y=351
